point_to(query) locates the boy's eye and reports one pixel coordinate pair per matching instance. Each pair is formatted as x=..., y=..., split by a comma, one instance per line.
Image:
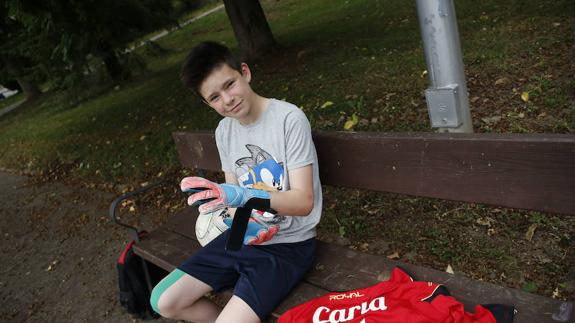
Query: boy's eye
x=214, y=98
x=230, y=84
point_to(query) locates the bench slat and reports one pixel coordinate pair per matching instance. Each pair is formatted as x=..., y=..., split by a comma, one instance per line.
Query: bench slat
x=336, y=269
x=165, y=248
x=514, y=170
x=528, y=171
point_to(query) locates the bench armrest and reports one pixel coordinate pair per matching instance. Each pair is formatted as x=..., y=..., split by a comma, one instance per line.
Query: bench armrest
x=114, y=206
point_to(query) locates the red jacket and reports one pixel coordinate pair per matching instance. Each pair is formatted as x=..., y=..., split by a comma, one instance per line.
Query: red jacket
x=400, y=299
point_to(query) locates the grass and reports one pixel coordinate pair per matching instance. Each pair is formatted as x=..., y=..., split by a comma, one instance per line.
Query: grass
x=376, y=73
x=365, y=56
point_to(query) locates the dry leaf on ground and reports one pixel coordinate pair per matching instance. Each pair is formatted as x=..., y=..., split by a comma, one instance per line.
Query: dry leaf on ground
x=531, y=231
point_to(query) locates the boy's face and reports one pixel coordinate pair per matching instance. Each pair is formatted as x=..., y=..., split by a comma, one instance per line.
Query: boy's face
x=229, y=92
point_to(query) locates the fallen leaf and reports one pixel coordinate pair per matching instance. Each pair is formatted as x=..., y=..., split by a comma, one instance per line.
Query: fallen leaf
x=326, y=104
x=52, y=265
x=351, y=122
x=501, y=81
x=556, y=293
x=423, y=73
x=449, y=270
x=474, y=99
x=531, y=231
x=486, y=221
x=491, y=120
x=142, y=138
x=394, y=255
x=525, y=96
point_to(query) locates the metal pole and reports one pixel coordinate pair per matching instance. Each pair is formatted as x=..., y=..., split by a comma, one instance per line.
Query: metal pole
x=447, y=99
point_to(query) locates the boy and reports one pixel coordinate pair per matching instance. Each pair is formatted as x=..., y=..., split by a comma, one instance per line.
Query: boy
x=268, y=156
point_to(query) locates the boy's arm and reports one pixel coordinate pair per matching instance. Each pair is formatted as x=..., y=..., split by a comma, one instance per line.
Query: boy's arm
x=231, y=179
x=298, y=201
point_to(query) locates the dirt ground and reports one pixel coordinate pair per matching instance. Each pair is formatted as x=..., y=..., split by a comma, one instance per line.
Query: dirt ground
x=58, y=254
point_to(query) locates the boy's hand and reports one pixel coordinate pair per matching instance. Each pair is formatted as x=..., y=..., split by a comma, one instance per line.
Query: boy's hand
x=256, y=233
x=219, y=196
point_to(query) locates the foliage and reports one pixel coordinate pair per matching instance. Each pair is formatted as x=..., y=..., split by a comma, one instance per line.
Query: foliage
x=63, y=37
x=18, y=44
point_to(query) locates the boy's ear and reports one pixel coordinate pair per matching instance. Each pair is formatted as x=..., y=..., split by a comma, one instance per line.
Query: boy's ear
x=246, y=73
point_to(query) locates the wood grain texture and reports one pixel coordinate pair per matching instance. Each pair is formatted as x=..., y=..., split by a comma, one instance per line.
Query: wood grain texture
x=527, y=171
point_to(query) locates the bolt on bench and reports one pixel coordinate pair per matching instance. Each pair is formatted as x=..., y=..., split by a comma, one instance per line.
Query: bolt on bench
x=527, y=171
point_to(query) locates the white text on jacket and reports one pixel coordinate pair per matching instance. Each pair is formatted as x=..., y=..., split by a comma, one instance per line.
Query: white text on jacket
x=325, y=315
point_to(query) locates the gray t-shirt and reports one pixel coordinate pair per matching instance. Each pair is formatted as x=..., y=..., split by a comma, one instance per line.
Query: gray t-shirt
x=260, y=155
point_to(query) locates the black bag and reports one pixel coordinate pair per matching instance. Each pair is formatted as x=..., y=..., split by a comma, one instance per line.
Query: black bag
x=134, y=292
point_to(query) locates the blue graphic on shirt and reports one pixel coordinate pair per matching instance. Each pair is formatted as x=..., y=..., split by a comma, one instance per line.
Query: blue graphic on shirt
x=261, y=171
x=265, y=176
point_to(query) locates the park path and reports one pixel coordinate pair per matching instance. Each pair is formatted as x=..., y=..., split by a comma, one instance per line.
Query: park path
x=11, y=107
x=165, y=32
x=58, y=253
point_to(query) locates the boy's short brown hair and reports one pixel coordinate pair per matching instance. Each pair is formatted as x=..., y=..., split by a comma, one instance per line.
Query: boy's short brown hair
x=202, y=60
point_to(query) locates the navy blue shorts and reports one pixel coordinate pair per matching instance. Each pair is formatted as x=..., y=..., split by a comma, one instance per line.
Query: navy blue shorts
x=261, y=276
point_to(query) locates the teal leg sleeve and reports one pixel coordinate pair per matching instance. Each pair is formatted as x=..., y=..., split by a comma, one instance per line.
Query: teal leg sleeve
x=162, y=286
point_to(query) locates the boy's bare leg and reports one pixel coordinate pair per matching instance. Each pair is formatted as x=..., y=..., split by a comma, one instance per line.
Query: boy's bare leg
x=236, y=310
x=184, y=300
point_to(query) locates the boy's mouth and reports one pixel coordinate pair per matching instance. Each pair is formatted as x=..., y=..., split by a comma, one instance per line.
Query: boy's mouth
x=236, y=107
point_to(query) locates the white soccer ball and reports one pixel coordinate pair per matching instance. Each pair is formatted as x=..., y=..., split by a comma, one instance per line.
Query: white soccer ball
x=209, y=225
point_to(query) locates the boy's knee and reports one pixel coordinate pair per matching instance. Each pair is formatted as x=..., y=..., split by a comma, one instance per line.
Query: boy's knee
x=163, y=305
x=155, y=298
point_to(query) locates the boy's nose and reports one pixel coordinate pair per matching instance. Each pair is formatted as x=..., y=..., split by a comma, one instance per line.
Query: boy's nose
x=228, y=99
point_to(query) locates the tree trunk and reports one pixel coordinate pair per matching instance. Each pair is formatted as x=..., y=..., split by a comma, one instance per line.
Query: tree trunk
x=31, y=90
x=113, y=65
x=251, y=28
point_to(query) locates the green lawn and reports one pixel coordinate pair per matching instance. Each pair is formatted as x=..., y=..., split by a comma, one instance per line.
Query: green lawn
x=366, y=57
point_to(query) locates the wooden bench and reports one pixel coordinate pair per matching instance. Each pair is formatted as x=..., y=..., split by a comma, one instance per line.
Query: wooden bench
x=527, y=171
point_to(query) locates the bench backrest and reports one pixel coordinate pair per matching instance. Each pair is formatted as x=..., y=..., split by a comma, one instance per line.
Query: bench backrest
x=528, y=171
